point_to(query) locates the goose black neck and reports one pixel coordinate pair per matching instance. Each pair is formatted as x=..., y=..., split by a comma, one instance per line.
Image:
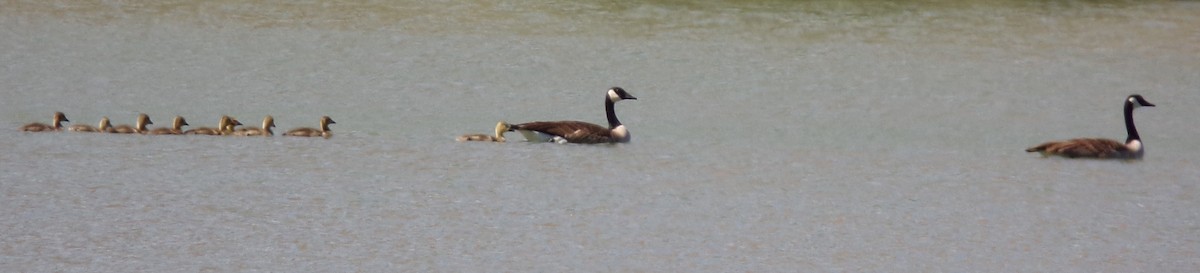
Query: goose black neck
x=612, y=115
x=1129, y=128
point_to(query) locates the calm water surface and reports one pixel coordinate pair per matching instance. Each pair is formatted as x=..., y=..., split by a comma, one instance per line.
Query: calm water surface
x=768, y=136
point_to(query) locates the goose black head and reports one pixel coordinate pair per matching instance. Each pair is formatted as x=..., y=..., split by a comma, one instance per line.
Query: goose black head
x=1138, y=101
x=616, y=94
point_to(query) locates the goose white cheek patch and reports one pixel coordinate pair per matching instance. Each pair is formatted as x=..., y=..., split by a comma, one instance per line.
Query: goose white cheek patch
x=1135, y=145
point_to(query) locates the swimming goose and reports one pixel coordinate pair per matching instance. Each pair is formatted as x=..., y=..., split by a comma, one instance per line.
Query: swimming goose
x=1099, y=147
x=230, y=126
x=578, y=131
x=142, y=121
x=56, y=124
x=267, y=123
x=104, y=127
x=310, y=132
x=176, y=128
x=501, y=127
x=221, y=123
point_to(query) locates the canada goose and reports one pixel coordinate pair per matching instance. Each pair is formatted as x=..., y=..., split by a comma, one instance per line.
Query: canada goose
x=221, y=123
x=578, y=131
x=140, y=128
x=1100, y=147
x=267, y=123
x=103, y=127
x=310, y=132
x=501, y=127
x=56, y=124
x=176, y=128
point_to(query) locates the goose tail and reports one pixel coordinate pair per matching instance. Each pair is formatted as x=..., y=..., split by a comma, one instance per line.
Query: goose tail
x=1039, y=148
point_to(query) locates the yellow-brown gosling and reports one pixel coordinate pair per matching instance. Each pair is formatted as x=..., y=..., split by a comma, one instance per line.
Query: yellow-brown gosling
x=209, y=131
x=267, y=123
x=501, y=128
x=230, y=126
x=176, y=128
x=1100, y=147
x=103, y=127
x=140, y=128
x=310, y=132
x=56, y=124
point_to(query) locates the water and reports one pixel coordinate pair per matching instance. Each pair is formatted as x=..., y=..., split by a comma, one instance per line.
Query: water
x=768, y=136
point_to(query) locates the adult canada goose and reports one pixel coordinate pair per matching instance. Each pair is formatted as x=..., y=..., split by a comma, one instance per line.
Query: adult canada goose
x=578, y=131
x=55, y=125
x=140, y=128
x=176, y=128
x=267, y=123
x=103, y=127
x=221, y=123
x=501, y=127
x=311, y=132
x=1100, y=147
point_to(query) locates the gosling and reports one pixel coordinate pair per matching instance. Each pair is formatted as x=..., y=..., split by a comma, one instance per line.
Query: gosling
x=501, y=128
x=267, y=123
x=103, y=127
x=176, y=128
x=311, y=132
x=56, y=126
x=140, y=128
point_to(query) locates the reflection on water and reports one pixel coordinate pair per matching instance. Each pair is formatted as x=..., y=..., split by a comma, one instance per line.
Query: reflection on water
x=768, y=135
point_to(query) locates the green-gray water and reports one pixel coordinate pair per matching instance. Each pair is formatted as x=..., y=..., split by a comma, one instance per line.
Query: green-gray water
x=767, y=136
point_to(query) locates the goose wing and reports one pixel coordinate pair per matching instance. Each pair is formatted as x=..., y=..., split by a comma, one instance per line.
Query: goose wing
x=124, y=129
x=36, y=127
x=305, y=132
x=165, y=131
x=202, y=131
x=1083, y=147
x=81, y=128
x=572, y=131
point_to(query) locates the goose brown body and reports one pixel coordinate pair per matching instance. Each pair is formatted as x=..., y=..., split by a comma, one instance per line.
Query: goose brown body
x=1085, y=147
x=571, y=131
